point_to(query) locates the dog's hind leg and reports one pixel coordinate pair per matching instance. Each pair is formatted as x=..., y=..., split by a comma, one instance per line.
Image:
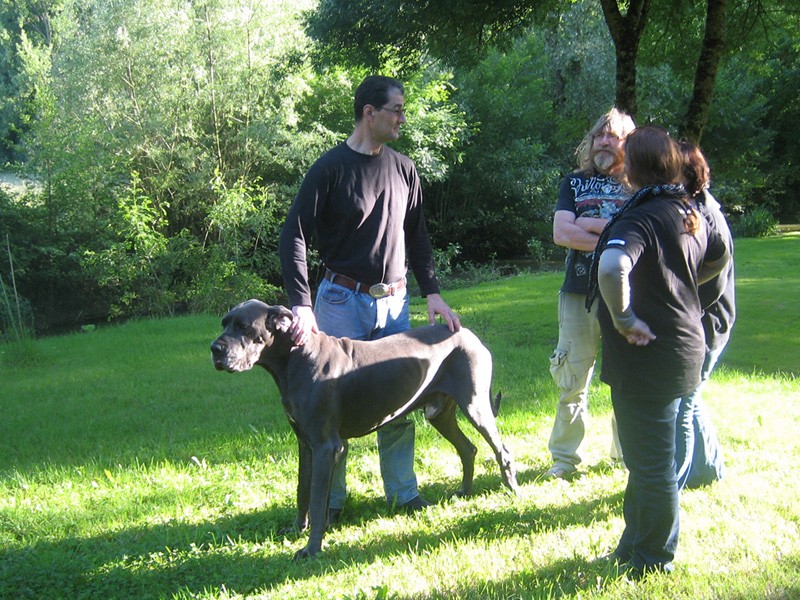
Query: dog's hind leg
x=481, y=416
x=444, y=421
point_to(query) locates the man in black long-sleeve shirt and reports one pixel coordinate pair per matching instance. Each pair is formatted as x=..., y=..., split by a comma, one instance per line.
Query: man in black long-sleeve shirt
x=363, y=202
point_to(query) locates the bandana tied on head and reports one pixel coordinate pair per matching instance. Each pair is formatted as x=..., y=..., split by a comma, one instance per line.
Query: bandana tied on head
x=640, y=197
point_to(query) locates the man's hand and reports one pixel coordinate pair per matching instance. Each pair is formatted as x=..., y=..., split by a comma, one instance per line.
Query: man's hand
x=638, y=334
x=437, y=306
x=303, y=324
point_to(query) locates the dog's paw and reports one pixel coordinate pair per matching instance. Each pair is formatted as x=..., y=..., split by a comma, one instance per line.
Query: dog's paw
x=305, y=553
x=292, y=530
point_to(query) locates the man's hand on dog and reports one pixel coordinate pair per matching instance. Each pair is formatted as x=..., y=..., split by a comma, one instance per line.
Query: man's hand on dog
x=437, y=306
x=303, y=324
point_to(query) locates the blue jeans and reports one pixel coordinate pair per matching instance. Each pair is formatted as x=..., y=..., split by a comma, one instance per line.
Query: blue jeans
x=343, y=313
x=698, y=457
x=647, y=433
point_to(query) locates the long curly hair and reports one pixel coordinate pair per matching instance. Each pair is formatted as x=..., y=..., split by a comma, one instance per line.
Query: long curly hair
x=696, y=173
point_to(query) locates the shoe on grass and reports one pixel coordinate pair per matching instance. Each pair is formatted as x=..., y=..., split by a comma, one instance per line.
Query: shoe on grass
x=413, y=505
x=559, y=472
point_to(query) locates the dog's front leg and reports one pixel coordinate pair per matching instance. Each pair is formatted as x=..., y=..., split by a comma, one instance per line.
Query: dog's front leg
x=303, y=484
x=323, y=457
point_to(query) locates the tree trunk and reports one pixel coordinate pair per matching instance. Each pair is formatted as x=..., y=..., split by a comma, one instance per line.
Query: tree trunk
x=626, y=32
x=706, y=74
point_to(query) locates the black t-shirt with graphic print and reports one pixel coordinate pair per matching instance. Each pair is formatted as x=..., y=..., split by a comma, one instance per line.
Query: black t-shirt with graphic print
x=585, y=195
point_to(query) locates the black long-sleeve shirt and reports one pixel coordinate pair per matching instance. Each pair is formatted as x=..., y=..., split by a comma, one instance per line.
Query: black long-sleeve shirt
x=366, y=215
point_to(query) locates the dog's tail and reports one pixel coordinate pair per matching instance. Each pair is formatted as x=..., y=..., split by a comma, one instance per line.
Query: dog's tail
x=496, y=403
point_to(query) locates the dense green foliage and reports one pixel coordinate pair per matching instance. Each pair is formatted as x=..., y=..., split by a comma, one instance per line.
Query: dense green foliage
x=166, y=138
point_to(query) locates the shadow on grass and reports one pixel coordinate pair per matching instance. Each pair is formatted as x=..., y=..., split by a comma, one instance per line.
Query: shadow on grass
x=176, y=558
x=574, y=578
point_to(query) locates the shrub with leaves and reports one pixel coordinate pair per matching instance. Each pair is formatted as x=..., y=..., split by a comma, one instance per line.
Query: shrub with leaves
x=755, y=223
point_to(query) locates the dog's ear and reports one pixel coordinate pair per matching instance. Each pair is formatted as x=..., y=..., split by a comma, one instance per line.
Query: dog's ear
x=279, y=319
x=281, y=323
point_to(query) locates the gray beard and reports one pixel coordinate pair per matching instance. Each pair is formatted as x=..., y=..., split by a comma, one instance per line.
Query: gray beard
x=604, y=161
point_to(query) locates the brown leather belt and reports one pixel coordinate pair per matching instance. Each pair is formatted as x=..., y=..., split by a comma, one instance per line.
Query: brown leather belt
x=377, y=290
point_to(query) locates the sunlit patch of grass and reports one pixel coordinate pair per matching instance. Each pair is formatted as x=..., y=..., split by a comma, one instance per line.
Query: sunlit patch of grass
x=131, y=469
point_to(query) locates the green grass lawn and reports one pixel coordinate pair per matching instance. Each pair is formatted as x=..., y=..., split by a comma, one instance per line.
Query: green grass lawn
x=130, y=468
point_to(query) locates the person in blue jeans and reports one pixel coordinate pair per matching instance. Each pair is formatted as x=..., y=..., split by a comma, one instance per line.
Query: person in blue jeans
x=650, y=260
x=362, y=203
x=698, y=457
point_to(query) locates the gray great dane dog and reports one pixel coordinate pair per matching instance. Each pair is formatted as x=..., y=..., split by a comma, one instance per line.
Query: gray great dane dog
x=336, y=388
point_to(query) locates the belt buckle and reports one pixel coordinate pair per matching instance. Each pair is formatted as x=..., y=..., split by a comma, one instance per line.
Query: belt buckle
x=379, y=290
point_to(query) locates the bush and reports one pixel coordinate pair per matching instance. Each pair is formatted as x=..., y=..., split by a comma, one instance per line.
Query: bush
x=539, y=252
x=16, y=316
x=755, y=223
x=222, y=283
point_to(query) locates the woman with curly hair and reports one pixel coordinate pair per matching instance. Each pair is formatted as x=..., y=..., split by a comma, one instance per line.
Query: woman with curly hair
x=699, y=459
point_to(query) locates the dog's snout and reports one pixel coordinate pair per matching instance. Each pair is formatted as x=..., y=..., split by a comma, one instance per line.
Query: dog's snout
x=217, y=355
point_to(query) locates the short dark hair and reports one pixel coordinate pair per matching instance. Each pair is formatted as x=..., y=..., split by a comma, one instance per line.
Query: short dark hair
x=374, y=90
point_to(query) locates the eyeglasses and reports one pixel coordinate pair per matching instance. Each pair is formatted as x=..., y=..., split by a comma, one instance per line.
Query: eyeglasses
x=400, y=112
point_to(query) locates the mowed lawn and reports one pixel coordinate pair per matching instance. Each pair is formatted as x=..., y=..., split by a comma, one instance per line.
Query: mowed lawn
x=130, y=468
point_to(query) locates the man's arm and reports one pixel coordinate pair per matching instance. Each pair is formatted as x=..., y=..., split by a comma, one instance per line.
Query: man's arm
x=292, y=246
x=292, y=252
x=292, y=249
x=576, y=233
x=592, y=224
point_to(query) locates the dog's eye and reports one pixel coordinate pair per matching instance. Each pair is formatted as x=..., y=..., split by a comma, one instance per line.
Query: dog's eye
x=250, y=332
x=240, y=327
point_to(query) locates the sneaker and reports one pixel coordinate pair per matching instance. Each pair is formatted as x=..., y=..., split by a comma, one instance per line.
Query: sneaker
x=413, y=505
x=559, y=472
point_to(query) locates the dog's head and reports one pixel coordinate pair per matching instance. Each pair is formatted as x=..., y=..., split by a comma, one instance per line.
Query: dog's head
x=248, y=329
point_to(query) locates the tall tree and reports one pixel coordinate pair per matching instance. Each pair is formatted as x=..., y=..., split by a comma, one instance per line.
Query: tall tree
x=706, y=73
x=626, y=31
x=461, y=31
x=397, y=31
x=21, y=22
